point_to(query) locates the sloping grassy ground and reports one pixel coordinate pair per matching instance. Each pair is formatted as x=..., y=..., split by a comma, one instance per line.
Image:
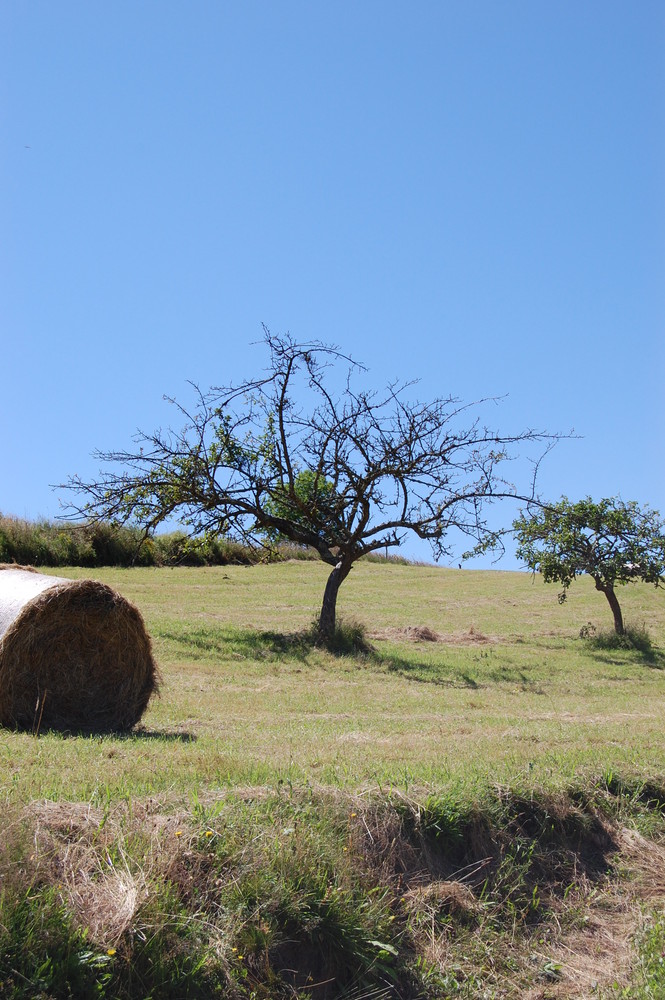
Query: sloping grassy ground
x=475, y=816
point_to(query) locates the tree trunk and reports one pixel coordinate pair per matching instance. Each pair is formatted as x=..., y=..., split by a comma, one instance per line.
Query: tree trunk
x=329, y=606
x=614, y=604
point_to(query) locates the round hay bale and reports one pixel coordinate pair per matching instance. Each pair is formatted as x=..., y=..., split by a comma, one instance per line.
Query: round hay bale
x=74, y=655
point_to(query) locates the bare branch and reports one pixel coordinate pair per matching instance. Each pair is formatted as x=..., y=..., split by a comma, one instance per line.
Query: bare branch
x=303, y=454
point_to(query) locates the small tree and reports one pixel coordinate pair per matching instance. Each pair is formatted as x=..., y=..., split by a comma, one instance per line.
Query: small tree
x=615, y=542
x=302, y=453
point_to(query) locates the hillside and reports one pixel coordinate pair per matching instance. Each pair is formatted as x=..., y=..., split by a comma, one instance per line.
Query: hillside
x=420, y=819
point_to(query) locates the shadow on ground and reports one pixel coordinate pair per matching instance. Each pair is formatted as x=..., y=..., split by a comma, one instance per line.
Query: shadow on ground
x=653, y=657
x=138, y=735
x=161, y=736
x=211, y=642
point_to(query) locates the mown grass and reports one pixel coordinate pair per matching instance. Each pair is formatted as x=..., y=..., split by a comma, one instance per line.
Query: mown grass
x=246, y=699
x=418, y=819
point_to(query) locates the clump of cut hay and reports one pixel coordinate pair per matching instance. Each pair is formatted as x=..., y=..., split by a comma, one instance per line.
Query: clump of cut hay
x=409, y=633
x=423, y=633
x=471, y=636
x=74, y=655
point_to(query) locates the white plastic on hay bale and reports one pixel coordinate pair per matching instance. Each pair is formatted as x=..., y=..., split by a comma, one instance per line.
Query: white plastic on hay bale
x=74, y=654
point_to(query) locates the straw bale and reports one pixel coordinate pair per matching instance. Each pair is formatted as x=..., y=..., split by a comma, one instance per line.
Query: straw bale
x=74, y=655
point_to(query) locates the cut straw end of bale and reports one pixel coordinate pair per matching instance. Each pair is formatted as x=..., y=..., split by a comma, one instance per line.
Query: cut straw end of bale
x=74, y=655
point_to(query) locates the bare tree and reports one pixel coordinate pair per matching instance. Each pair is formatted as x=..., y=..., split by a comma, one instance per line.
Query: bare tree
x=303, y=453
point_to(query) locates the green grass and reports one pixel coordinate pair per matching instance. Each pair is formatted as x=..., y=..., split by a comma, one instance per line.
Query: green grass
x=649, y=979
x=307, y=810
x=246, y=700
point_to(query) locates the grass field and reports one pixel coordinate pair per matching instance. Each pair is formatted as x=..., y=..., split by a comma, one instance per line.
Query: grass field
x=378, y=777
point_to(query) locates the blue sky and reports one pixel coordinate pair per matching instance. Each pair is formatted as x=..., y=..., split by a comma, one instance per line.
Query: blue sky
x=469, y=193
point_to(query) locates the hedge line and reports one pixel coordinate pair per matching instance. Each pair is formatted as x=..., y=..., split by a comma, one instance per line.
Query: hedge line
x=44, y=543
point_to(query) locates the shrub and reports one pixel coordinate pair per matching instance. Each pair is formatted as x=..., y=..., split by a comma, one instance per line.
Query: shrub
x=349, y=638
x=43, y=544
x=634, y=637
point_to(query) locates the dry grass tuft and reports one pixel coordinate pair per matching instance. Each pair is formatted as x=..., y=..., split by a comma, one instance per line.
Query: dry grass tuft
x=408, y=633
x=74, y=655
x=105, y=901
x=590, y=951
x=419, y=633
x=81, y=850
x=448, y=898
x=647, y=860
x=471, y=637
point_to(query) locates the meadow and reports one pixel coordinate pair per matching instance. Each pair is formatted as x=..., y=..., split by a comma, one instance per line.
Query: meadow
x=469, y=805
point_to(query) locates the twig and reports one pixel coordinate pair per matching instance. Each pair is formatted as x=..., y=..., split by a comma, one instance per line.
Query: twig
x=42, y=712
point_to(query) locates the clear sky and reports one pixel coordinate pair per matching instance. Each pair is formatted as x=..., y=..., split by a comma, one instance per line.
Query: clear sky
x=471, y=193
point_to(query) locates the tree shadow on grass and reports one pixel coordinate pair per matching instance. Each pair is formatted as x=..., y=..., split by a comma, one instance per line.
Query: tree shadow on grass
x=210, y=643
x=655, y=659
x=349, y=644
x=425, y=673
x=635, y=646
x=515, y=675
